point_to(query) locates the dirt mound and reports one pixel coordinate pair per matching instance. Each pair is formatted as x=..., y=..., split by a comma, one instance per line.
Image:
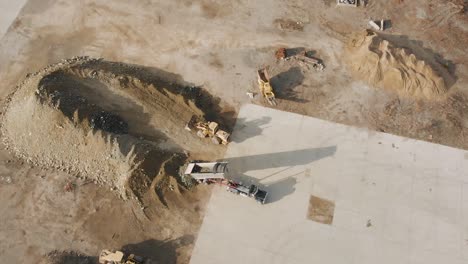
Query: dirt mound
x=111, y=122
x=383, y=64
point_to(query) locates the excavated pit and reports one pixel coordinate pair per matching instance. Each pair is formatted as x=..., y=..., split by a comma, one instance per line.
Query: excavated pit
x=114, y=123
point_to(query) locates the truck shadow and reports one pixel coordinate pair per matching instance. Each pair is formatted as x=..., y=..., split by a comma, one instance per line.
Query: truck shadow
x=242, y=169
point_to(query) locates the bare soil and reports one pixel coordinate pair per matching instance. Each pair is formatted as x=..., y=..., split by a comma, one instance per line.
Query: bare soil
x=217, y=45
x=321, y=210
x=109, y=122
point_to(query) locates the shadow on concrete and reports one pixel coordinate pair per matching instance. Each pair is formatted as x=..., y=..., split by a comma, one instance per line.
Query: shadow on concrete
x=159, y=251
x=284, y=84
x=239, y=166
x=279, y=189
x=254, y=128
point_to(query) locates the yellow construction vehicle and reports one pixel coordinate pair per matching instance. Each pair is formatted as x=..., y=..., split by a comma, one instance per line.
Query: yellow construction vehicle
x=265, y=87
x=118, y=257
x=208, y=129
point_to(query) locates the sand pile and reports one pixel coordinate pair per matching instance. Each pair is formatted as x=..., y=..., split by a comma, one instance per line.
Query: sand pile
x=383, y=64
x=111, y=122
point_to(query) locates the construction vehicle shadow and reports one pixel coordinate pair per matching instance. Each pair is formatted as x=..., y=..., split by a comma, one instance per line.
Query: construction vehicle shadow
x=158, y=251
x=249, y=128
x=284, y=85
x=242, y=169
x=298, y=50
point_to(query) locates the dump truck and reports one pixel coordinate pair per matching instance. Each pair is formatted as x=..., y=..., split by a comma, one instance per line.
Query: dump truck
x=251, y=191
x=118, y=257
x=265, y=86
x=215, y=172
x=209, y=129
x=206, y=172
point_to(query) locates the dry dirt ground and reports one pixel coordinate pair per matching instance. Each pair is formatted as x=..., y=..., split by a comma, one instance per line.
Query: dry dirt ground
x=217, y=45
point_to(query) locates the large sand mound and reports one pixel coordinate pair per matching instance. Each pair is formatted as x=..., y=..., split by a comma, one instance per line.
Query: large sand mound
x=115, y=123
x=383, y=64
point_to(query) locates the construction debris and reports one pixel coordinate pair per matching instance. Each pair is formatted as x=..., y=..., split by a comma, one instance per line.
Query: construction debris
x=306, y=60
x=352, y=3
x=280, y=54
x=265, y=87
x=289, y=25
x=316, y=63
x=5, y=179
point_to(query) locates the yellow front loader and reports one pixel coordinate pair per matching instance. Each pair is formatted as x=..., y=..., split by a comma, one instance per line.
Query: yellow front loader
x=265, y=87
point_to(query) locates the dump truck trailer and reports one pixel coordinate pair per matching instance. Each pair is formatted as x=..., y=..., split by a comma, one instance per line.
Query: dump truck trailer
x=206, y=171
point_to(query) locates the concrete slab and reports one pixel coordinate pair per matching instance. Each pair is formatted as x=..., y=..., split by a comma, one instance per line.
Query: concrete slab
x=8, y=11
x=397, y=200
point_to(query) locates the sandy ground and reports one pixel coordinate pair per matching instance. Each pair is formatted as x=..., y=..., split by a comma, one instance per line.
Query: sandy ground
x=39, y=216
x=217, y=45
x=220, y=46
x=392, y=199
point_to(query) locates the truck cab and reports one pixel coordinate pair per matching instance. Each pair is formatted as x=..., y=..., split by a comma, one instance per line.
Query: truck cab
x=259, y=195
x=252, y=191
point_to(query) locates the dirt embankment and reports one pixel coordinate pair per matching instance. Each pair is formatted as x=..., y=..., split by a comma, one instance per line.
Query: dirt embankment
x=114, y=123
